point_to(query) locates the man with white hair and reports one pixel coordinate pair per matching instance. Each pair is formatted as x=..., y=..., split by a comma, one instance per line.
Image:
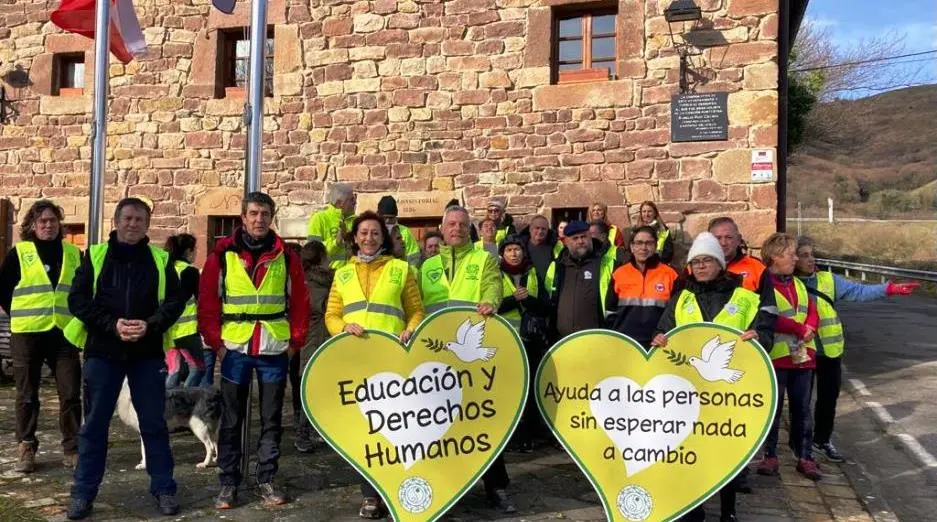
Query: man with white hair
x=328, y=226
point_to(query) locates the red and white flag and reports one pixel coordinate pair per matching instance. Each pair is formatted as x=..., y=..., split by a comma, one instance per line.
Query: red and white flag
x=126, y=39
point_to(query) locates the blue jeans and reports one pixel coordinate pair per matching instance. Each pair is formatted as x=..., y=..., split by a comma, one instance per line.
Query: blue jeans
x=103, y=380
x=798, y=384
x=208, y=378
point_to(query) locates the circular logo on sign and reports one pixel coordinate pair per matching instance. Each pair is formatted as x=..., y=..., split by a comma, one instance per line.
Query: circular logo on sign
x=634, y=503
x=415, y=494
x=659, y=287
x=732, y=308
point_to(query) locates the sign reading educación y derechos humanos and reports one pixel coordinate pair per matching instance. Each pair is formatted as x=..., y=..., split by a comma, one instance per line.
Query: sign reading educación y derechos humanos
x=659, y=432
x=421, y=422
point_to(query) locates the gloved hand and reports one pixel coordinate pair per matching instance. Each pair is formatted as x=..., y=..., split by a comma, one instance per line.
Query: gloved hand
x=893, y=288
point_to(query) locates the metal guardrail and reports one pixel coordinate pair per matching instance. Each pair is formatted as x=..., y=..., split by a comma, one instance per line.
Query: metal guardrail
x=884, y=271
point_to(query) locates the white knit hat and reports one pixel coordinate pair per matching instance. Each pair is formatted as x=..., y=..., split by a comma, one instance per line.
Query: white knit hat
x=706, y=244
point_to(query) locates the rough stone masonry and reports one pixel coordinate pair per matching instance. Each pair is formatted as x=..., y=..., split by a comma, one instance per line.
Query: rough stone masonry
x=398, y=95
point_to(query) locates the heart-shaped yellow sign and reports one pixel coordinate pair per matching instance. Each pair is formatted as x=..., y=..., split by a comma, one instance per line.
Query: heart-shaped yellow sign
x=421, y=422
x=658, y=433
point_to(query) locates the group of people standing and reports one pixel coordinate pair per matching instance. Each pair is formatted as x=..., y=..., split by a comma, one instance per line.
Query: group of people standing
x=263, y=306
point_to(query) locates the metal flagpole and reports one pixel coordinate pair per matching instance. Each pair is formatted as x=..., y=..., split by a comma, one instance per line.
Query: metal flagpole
x=102, y=34
x=254, y=120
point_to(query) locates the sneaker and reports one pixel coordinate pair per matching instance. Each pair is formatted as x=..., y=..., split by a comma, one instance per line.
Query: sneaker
x=167, y=505
x=809, y=469
x=499, y=499
x=526, y=447
x=742, y=485
x=372, y=508
x=271, y=495
x=226, y=498
x=70, y=460
x=830, y=452
x=768, y=466
x=27, y=458
x=79, y=509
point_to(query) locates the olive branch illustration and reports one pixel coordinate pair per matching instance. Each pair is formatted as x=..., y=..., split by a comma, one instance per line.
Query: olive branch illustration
x=678, y=359
x=436, y=345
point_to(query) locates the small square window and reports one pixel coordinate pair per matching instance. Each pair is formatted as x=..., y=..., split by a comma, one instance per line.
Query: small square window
x=68, y=71
x=585, y=46
x=235, y=63
x=220, y=227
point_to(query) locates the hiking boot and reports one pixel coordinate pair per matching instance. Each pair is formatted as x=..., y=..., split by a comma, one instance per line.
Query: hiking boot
x=27, y=458
x=809, y=469
x=79, y=509
x=303, y=442
x=167, y=505
x=768, y=466
x=830, y=452
x=372, y=508
x=226, y=497
x=499, y=499
x=271, y=495
x=70, y=460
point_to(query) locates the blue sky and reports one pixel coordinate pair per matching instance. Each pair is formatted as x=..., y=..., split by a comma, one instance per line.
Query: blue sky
x=851, y=20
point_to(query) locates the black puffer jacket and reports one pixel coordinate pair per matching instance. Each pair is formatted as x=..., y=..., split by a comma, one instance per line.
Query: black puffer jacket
x=127, y=289
x=712, y=296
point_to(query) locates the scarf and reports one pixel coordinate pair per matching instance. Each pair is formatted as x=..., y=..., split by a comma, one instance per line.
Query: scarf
x=364, y=258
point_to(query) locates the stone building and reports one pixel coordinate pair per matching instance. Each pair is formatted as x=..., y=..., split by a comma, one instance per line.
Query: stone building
x=550, y=104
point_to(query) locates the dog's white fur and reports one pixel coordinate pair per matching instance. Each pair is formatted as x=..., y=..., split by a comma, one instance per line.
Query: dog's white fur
x=127, y=414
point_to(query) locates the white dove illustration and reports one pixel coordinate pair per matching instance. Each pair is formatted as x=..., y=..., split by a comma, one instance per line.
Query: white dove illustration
x=713, y=362
x=468, y=345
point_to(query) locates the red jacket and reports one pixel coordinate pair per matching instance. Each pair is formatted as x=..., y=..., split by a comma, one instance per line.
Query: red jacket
x=786, y=325
x=209, y=295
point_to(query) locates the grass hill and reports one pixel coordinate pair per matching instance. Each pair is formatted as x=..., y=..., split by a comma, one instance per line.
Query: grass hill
x=876, y=157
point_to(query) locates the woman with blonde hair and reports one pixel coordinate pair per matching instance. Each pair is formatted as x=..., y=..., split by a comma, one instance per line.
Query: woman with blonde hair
x=649, y=216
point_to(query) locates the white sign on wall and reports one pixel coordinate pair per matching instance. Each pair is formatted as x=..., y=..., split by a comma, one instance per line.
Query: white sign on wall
x=762, y=165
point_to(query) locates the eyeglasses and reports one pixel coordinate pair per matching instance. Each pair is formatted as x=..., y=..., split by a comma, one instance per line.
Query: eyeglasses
x=648, y=244
x=700, y=262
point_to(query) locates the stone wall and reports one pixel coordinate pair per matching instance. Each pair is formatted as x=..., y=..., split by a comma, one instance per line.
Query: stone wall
x=400, y=96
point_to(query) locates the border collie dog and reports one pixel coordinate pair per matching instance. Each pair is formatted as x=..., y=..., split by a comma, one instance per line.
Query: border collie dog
x=196, y=408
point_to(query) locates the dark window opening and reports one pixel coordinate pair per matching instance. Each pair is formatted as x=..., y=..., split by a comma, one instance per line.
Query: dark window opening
x=220, y=227
x=235, y=63
x=68, y=70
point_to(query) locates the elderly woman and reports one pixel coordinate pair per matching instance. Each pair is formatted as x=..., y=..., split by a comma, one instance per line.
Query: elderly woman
x=649, y=216
x=373, y=277
x=711, y=294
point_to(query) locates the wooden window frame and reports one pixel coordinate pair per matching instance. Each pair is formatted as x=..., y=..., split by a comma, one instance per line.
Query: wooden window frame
x=216, y=228
x=227, y=80
x=60, y=62
x=586, y=73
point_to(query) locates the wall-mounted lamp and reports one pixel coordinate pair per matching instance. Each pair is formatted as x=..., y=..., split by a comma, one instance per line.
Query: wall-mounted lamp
x=682, y=11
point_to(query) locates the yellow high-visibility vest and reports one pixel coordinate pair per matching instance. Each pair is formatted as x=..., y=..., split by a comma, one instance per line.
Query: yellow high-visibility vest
x=76, y=332
x=507, y=290
x=831, y=328
x=606, y=268
x=188, y=322
x=738, y=313
x=37, y=306
x=244, y=305
x=464, y=289
x=384, y=309
x=782, y=342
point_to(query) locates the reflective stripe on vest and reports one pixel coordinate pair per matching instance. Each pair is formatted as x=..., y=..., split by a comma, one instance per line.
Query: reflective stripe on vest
x=36, y=305
x=507, y=290
x=383, y=310
x=187, y=323
x=244, y=305
x=739, y=312
x=782, y=342
x=76, y=332
x=463, y=290
x=831, y=328
x=606, y=267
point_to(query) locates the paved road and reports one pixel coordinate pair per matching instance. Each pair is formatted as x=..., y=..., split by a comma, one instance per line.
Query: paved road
x=891, y=415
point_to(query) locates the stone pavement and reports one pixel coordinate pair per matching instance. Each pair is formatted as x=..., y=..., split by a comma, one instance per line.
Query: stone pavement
x=546, y=484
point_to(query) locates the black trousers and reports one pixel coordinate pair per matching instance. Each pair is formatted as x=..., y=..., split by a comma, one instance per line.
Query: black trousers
x=829, y=379
x=295, y=381
x=30, y=352
x=726, y=503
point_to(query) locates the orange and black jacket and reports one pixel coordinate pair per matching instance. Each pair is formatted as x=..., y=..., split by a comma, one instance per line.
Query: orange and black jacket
x=642, y=297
